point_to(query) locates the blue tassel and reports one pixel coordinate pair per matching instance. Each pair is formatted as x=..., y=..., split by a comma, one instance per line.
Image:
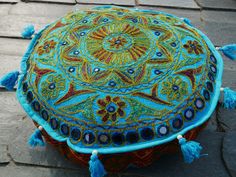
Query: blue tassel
x=229, y=98
x=96, y=167
x=28, y=31
x=36, y=138
x=191, y=150
x=186, y=20
x=229, y=51
x=9, y=80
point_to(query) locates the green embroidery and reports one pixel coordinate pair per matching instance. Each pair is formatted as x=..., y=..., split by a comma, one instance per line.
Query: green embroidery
x=52, y=86
x=190, y=61
x=85, y=107
x=174, y=88
x=138, y=109
x=47, y=61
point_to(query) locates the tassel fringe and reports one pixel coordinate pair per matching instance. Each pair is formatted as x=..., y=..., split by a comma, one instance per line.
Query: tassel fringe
x=28, y=31
x=187, y=21
x=191, y=150
x=96, y=167
x=229, y=51
x=229, y=98
x=36, y=138
x=10, y=80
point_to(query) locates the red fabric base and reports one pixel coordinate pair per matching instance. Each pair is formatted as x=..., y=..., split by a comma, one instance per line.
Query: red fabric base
x=119, y=162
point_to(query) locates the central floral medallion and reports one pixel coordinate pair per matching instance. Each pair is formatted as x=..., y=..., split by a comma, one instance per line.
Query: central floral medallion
x=117, y=42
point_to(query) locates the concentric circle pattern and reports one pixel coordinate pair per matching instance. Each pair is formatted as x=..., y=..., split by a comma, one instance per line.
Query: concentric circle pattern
x=115, y=77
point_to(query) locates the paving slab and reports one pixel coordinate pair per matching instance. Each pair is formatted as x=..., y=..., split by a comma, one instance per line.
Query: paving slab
x=220, y=33
x=12, y=47
x=40, y=9
x=227, y=119
x=32, y=171
x=11, y=114
x=13, y=170
x=53, y=1
x=6, y=132
x=212, y=123
x=9, y=1
x=12, y=25
x=217, y=4
x=4, y=8
x=229, y=79
x=113, y=2
x=5, y=66
x=219, y=26
x=218, y=16
x=229, y=152
x=4, y=158
x=207, y=166
x=189, y=4
x=10, y=105
x=228, y=64
x=84, y=6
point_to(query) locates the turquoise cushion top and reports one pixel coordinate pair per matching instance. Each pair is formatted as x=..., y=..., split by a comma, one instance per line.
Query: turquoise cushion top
x=117, y=79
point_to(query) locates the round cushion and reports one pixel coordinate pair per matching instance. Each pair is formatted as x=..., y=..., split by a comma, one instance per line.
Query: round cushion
x=119, y=80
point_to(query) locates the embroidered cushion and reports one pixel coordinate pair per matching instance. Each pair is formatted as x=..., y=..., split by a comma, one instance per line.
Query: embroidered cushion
x=119, y=80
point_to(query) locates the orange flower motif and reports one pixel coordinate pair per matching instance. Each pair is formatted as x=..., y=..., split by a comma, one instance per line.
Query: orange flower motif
x=193, y=47
x=111, y=108
x=117, y=42
x=46, y=47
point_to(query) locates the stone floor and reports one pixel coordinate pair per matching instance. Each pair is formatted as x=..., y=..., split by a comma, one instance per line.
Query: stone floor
x=216, y=18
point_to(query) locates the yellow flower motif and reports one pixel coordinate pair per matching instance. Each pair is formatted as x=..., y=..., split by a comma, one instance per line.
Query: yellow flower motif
x=175, y=88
